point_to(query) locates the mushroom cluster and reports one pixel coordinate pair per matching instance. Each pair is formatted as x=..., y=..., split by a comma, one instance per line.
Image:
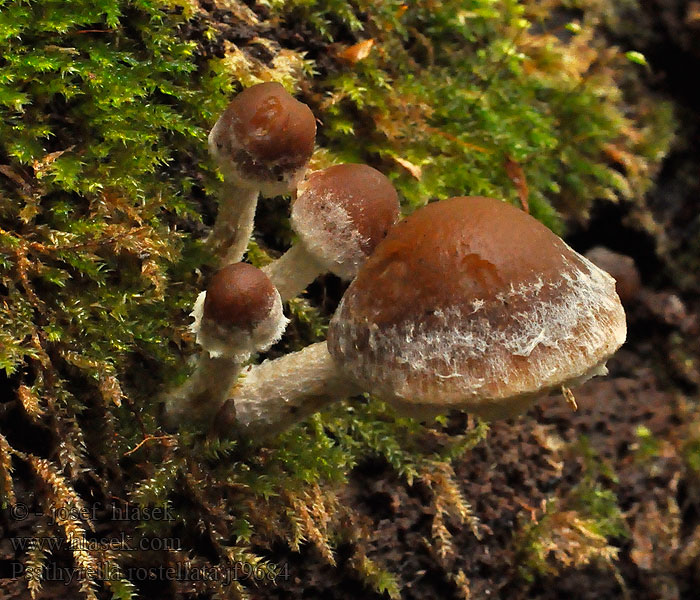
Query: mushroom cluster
x=262, y=143
x=468, y=303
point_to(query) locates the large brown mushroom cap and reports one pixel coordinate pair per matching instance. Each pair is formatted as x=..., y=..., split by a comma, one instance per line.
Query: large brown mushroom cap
x=264, y=138
x=341, y=213
x=471, y=303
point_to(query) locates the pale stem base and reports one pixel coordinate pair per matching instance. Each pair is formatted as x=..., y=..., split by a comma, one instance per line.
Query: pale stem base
x=278, y=393
x=198, y=399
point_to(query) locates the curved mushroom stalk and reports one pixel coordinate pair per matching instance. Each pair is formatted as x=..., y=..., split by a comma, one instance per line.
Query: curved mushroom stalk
x=234, y=223
x=293, y=271
x=261, y=143
x=340, y=215
x=205, y=389
x=279, y=393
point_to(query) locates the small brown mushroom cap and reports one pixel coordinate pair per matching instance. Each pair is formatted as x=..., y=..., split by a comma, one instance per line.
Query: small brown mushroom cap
x=264, y=138
x=341, y=213
x=470, y=303
x=622, y=268
x=239, y=295
x=240, y=313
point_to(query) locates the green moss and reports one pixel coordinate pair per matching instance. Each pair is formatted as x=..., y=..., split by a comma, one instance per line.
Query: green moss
x=462, y=91
x=580, y=528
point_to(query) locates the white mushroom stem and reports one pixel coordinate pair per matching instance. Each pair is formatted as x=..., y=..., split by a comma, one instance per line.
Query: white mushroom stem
x=278, y=393
x=292, y=272
x=234, y=223
x=204, y=391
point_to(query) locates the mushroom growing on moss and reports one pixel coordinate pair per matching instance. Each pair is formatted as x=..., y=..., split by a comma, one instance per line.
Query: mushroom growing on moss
x=261, y=143
x=469, y=304
x=239, y=314
x=340, y=215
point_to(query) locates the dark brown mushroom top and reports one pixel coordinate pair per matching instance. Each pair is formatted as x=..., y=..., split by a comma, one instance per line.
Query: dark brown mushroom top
x=239, y=295
x=472, y=303
x=265, y=133
x=627, y=280
x=341, y=213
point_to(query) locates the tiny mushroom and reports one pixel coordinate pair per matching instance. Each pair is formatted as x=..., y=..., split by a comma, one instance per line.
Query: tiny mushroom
x=239, y=314
x=340, y=215
x=469, y=303
x=627, y=280
x=261, y=143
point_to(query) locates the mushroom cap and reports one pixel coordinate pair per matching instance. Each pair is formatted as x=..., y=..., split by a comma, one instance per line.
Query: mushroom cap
x=240, y=313
x=264, y=139
x=622, y=268
x=471, y=303
x=341, y=213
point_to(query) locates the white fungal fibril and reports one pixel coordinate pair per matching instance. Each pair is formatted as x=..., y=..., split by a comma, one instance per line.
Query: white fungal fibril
x=331, y=235
x=235, y=342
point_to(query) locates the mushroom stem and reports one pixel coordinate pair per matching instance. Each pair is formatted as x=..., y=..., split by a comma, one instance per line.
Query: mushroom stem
x=278, y=393
x=292, y=272
x=234, y=223
x=204, y=391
